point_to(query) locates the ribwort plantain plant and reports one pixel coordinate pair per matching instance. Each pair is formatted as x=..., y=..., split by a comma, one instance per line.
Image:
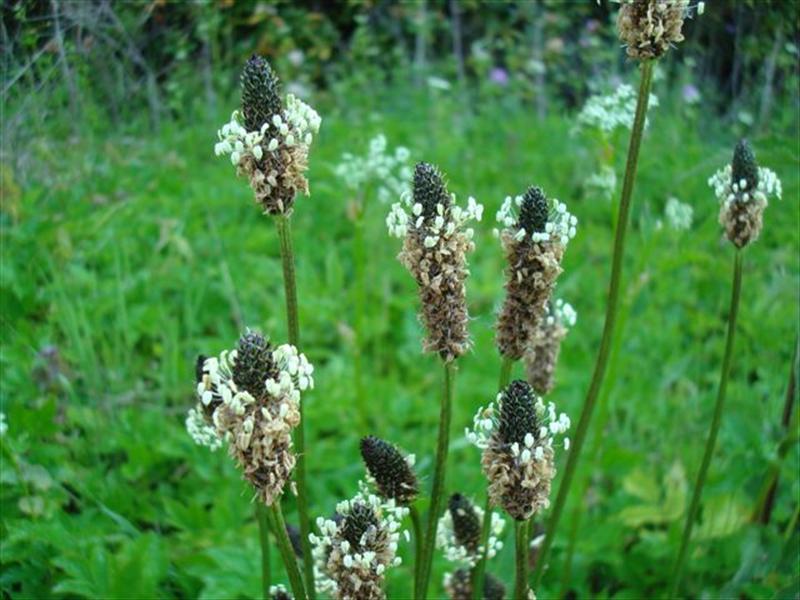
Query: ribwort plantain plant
x=743, y=189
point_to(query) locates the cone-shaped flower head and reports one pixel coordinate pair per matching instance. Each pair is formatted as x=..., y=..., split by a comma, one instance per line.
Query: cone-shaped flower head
x=436, y=242
x=261, y=90
x=516, y=434
x=541, y=356
x=392, y=473
x=351, y=554
x=279, y=592
x=458, y=534
x=743, y=189
x=535, y=234
x=250, y=397
x=269, y=140
x=458, y=586
x=650, y=27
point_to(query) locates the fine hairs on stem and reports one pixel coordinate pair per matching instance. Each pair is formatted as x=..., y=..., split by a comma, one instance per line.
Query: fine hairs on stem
x=694, y=506
x=610, y=320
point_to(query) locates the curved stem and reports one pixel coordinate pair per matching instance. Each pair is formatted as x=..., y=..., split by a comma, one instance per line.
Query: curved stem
x=263, y=536
x=287, y=552
x=416, y=524
x=610, y=320
x=521, y=561
x=711, y=441
x=479, y=572
x=290, y=291
x=438, y=480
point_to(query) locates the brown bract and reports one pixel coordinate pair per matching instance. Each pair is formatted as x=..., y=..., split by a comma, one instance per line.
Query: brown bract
x=277, y=178
x=531, y=274
x=743, y=220
x=359, y=581
x=541, y=355
x=649, y=27
x=441, y=273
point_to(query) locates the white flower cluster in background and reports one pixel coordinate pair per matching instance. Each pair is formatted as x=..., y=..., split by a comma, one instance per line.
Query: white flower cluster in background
x=727, y=191
x=457, y=553
x=390, y=171
x=561, y=313
x=485, y=422
x=604, y=182
x=406, y=214
x=561, y=224
x=679, y=215
x=607, y=112
x=3, y=424
x=296, y=127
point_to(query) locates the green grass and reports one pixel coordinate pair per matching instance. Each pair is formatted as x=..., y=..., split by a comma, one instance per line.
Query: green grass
x=133, y=256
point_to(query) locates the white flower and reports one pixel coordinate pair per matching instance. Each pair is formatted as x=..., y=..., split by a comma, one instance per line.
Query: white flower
x=3, y=424
x=606, y=113
x=678, y=215
x=561, y=224
x=388, y=171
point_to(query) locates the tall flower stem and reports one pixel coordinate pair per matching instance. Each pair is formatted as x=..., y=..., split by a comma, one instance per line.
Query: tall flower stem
x=610, y=320
x=416, y=524
x=521, y=560
x=283, y=226
x=438, y=480
x=479, y=572
x=287, y=552
x=360, y=304
x=711, y=441
x=263, y=536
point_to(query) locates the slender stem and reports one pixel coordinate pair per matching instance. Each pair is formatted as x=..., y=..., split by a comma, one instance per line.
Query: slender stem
x=416, y=524
x=521, y=578
x=787, y=535
x=610, y=321
x=694, y=505
x=438, y=480
x=290, y=290
x=479, y=572
x=263, y=536
x=287, y=552
x=360, y=304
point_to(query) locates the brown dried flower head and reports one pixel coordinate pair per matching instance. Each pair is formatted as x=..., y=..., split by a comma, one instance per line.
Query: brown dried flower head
x=648, y=28
x=351, y=554
x=516, y=437
x=392, y=473
x=436, y=243
x=269, y=141
x=250, y=397
x=534, y=244
x=742, y=189
x=458, y=586
x=541, y=356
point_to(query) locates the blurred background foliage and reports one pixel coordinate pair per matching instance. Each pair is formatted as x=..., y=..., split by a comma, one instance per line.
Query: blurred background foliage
x=127, y=249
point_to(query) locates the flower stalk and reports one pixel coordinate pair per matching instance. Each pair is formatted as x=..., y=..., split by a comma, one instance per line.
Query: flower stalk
x=283, y=226
x=711, y=441
x=521, y=559
x=287, y=553
x=263, y=538
x=610, y=319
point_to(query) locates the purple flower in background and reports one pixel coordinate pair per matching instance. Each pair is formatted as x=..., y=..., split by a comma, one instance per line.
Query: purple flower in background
x=592, y=25
x=690, y=93
x=499, y=76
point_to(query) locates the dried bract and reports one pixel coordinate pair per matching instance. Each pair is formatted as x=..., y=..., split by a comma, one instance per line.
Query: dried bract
x=541, y=355
x=648, y=28
x=458, y=586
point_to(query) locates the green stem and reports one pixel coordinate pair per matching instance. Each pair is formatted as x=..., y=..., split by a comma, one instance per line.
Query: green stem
x=438, y=480
x=521, y=578
x=694, y=506
x=290, y=290
x=610, y=320
x=416, y=524
x=263, y=536
x=479, y=572
x=787, y=535
x=287, y=552
x=360, y=304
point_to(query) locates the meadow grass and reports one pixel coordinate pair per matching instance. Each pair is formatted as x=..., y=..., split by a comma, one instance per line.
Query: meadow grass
x=133, y=256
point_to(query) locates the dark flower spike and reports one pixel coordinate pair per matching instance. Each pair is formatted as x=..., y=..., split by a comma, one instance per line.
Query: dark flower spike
x=744, y=166
x=260, y=93
x=279, y=592
x=466, y=524
x=534, y=211
x=458, y=586
x=357, y=522
x=254, y=363
x=430, y=189
x=391, y=471
x=517, y=413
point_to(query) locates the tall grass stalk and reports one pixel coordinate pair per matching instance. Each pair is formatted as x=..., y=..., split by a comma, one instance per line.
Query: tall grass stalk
x=479, y=572
x=283, y=226
x=263, y=537
x=610, y=320
x=287, y=552
x=521, y=559
x=439, y=473
x=711, y=441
